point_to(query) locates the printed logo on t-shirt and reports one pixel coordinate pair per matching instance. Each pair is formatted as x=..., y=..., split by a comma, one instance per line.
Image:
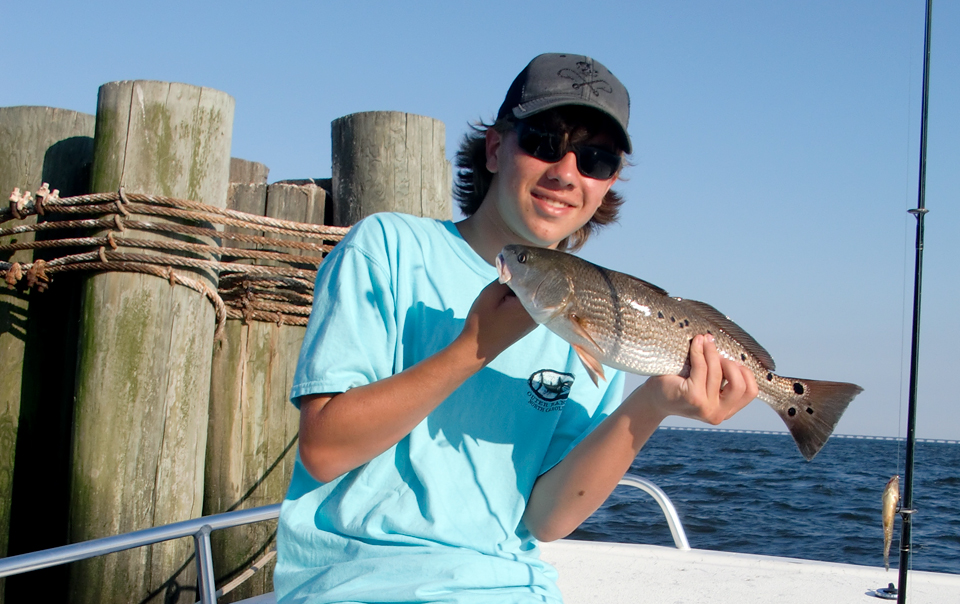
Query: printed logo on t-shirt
x=549, y=390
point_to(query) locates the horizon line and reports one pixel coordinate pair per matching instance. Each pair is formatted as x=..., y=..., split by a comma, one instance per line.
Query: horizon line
x=785, y=433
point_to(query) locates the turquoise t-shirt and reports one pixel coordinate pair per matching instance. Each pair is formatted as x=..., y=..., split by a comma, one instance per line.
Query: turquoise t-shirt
x=437, y=517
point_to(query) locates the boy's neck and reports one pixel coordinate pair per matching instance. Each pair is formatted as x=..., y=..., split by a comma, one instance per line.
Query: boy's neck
x=485, y=235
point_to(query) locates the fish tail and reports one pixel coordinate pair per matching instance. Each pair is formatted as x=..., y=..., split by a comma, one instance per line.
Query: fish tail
x=809, y=408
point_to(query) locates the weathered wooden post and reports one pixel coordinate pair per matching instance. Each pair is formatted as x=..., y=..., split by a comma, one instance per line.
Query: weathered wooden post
x=143, y=374
x=251, y=443
x=37, y=144
x=389, y=161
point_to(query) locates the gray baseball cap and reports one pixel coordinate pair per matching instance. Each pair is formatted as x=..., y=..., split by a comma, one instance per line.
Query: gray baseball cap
x=554, y=80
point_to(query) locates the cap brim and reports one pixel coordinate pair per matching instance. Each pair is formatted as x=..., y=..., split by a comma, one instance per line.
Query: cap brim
x=531, y=108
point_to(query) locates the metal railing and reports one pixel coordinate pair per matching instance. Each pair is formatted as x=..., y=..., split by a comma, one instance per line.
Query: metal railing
x=673, y=520
x=198, y=528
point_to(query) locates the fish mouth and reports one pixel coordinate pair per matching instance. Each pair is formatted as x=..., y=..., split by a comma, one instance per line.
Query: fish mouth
x=503, y=272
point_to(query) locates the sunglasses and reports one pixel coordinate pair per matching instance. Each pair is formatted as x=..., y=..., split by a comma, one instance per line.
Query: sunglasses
x=592, y=162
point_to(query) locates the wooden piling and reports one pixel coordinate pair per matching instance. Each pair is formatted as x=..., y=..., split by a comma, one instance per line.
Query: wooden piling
x=251, y=443
x=389, y=161
x=37, y=144
x=143, y=374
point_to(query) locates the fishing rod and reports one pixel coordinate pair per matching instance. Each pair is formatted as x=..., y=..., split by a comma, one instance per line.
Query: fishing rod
x=906, y=510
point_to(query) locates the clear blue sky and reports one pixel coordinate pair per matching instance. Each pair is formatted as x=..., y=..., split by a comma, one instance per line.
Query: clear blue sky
x=776, y=142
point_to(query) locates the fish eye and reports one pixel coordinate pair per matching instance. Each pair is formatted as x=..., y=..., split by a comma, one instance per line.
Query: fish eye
x=522, y=257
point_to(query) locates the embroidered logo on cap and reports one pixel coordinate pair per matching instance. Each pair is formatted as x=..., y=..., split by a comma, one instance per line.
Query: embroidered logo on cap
x=585, y=75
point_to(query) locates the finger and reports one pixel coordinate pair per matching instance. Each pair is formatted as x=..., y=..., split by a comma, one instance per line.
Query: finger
x=745, y=390
x=753, y=389
x=698, y=366
x=735, y=385
x=714, y=368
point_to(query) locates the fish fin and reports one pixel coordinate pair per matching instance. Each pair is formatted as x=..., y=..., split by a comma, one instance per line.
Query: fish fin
x=734, y=331
x=579, y=326
x=591, y=364
x=615, y=277
x=816, y=408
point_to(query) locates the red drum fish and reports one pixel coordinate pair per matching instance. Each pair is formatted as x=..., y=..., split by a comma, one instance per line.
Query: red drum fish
x=620, y=321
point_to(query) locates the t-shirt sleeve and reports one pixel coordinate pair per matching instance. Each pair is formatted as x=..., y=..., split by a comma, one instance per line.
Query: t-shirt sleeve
x=351, y=336
x=577, y=421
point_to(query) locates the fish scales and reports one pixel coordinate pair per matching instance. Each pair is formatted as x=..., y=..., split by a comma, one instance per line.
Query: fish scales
x=641, y=330
x=620, y=321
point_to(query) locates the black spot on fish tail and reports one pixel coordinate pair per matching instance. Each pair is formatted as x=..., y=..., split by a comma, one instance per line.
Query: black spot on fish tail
x=659, y=315
x=824, y=403
x=673, y=319
x=686, y=322
x=743, y=357
x=769, y=377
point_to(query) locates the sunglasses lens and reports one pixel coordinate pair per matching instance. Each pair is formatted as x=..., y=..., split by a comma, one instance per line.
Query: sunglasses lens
x=597, y=163
x=542, y=145
x=592, y=162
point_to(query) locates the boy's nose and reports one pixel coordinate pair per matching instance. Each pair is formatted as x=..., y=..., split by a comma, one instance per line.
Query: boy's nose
x=565, y=170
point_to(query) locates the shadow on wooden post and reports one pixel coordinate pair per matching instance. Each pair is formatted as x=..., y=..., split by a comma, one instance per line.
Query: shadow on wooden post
x=37, y=144
x=251, y=443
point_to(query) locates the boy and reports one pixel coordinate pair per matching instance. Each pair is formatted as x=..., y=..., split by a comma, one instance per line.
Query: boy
x=431, y=458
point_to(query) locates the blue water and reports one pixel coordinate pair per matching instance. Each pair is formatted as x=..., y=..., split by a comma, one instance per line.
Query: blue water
x=754, y=493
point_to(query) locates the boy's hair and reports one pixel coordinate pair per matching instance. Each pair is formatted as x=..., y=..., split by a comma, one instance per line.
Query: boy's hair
x=575, y=123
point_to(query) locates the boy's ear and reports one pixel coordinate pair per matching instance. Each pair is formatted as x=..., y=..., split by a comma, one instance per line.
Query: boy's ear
x=494, y=140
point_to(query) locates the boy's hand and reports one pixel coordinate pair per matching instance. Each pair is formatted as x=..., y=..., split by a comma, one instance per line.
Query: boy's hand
x=495, y=321
x=714, y=391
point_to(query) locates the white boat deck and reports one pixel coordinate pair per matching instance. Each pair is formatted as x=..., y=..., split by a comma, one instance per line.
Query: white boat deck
x=593, y=572
x=613, y=573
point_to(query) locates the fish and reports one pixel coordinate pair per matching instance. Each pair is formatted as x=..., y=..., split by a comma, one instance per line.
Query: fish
x=623, y=322
x=891, y=497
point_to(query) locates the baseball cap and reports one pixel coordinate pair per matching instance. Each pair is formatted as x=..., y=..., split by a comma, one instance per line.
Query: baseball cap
x=554, y=80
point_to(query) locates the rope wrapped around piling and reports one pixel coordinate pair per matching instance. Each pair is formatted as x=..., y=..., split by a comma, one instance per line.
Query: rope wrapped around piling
x=273, y=283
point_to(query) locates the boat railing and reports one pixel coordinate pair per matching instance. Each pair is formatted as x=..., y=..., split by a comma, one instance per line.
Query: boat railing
x=673, y=519
x=200, y=529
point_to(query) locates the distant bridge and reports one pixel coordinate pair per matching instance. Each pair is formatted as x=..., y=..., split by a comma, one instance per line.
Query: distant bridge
x=784, y=433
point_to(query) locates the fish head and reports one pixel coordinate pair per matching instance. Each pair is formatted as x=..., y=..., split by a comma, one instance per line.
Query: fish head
x=537, y=277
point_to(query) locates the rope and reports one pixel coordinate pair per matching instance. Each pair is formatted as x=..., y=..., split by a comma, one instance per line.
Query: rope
x=267, y=279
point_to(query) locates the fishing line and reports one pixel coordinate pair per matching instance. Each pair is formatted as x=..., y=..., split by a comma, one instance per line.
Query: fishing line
x=908, y=194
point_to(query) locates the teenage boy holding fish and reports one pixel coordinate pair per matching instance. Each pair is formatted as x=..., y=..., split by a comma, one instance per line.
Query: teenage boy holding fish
x=441, y=434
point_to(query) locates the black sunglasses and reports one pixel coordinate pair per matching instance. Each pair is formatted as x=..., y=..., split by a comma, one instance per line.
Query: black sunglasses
x=592, y=162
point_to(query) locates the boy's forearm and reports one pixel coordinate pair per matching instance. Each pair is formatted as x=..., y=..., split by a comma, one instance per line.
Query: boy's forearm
x=714, y=390
x=569, y=492
x=341, y=432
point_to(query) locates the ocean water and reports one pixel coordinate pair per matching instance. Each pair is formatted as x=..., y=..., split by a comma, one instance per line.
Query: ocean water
x=754, y=493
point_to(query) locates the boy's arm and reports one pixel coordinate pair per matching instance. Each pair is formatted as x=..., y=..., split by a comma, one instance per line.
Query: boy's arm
x=339, y=432
x=568, y=493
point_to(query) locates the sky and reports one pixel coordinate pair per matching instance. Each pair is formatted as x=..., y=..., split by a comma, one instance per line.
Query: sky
x=776, y=144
